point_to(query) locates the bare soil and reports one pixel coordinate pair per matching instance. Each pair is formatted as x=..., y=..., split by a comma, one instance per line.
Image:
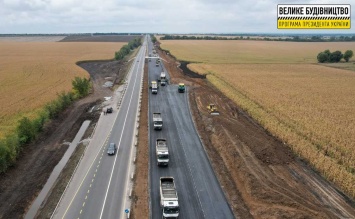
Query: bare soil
x=140, y=196
x=260, y=175
x=20, y=185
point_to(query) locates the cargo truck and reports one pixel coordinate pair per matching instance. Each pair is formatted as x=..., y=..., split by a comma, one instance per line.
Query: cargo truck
x=162, y=79
x=162, y=152
x=169, y=198
x=157, y=121
x=154, y=87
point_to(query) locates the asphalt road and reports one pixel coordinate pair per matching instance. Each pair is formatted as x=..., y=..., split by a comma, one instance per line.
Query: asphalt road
x=99, y=186
x=200, y=195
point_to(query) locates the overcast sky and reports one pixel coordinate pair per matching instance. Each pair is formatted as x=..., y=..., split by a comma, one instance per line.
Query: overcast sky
x=167, y=16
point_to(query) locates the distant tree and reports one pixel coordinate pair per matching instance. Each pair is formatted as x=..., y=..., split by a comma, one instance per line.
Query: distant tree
x=154, y=39
x=322, y=57
x=335, y=56
x=296, y=38
x=348, y=54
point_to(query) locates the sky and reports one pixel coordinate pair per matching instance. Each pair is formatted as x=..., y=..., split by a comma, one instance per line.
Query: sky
x=150, y=16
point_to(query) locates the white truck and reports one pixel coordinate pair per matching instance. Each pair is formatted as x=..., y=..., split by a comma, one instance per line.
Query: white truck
x=169, y=198
x=162, y=78
x=154, y=87
x=157, y=121
x=162, y=152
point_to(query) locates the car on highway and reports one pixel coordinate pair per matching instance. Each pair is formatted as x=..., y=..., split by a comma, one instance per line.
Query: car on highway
x=111, y=150
x=109, y=110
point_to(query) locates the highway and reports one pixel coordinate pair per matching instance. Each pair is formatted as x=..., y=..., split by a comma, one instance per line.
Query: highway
x=200, y=195
x=99, y=188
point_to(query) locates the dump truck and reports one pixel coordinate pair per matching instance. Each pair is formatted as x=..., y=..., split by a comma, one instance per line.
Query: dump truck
x=154, y=87
x=181, y=88
x=157, y=121
x=162, y=152
x=162, y=79
x=169, y=198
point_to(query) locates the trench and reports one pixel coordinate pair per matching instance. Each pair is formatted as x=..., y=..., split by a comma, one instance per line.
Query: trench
x=56, y=171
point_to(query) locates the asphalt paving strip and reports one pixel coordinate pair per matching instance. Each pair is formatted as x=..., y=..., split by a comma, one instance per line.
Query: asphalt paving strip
x=194, y=198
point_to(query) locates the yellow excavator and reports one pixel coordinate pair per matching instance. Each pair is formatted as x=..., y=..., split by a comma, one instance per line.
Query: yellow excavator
x=213, y=109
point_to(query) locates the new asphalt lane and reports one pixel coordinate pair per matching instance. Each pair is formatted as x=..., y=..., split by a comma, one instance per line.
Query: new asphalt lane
x=200, y=195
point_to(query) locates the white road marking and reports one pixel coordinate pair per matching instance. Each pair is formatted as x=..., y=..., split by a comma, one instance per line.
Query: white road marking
x=124, y=124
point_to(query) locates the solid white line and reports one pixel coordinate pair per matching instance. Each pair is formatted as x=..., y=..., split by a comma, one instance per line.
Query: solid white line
x=66, y=211
x=119, y=142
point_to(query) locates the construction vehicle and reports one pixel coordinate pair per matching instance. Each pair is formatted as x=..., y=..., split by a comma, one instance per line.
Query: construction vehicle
x=181, y=88
x=169, y=198
x=213, y=109
x=154, y=87
x=157, y=121
x=162, y=79
x=162, y=152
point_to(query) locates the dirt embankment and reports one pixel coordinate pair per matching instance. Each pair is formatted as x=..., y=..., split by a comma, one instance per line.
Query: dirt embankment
x=20, y=185
x=260, y=176
x=140, y=196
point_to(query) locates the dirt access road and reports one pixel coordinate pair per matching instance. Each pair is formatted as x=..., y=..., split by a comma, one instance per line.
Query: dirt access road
x=260, y=175
x=20, y=185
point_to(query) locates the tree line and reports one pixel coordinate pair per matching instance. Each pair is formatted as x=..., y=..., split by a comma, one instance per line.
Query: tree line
x=292, y=39
x=28, y=129
x=333, y=57
x=126, y=49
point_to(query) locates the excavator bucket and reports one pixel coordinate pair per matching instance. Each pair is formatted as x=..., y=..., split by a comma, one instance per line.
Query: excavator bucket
x=213, y=110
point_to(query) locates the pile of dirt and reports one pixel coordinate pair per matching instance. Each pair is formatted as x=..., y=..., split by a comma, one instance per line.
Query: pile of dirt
x=20, y=185
x=259, y=174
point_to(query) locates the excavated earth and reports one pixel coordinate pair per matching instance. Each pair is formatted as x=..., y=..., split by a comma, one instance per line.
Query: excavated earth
x=260, y=175
x=20, y=185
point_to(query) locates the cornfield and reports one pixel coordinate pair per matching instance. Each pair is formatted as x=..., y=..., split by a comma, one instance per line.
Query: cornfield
x=310, y=107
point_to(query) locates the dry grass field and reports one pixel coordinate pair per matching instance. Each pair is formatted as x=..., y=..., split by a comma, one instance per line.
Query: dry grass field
x=32, y=73
x=309, y=106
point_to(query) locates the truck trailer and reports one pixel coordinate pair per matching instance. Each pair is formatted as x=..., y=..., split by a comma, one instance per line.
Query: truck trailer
x=162, y=152
x=162, y=78
x=154, y=87
x=169, y=198
x=157, y=121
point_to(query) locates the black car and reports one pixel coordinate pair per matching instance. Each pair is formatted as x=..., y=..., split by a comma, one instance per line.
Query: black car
x=111, y=150
x=109, y=110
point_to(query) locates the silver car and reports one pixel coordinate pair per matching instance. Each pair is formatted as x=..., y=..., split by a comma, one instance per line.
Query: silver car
x=111, y=150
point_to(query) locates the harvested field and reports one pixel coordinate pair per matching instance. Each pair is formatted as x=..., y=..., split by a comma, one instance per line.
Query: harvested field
x=33, y=73
x=309, y=107
x=99, y=38
x=31, y=38
x=244, y=51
